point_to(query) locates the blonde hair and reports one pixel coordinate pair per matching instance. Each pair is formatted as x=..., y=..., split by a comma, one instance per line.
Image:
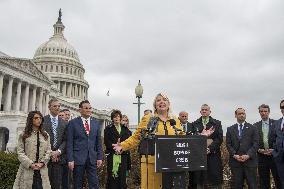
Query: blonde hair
x=165, y=98
x=125, y=116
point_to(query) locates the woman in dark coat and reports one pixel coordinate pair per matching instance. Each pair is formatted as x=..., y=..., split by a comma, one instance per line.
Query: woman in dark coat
x=116, y=163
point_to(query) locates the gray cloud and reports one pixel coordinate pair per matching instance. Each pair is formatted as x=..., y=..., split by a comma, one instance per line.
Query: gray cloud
x=224, y=53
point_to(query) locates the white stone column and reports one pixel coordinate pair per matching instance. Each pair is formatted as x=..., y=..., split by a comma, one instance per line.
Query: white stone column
x=46, y=102
x=7, y=102
x=26, y=97
x=76, y=90
x=69, y=90
x=64, y=88
x=84, y=96
x=18, y=96
x=80, y=91
x=73, y=90
x=40, y=102
x=33, y=103
x=1, y=86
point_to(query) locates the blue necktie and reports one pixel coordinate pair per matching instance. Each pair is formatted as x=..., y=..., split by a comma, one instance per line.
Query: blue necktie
x=54, y=127
x=241, y=130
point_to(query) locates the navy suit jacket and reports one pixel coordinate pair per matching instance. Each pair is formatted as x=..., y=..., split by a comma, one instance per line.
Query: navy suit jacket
x=80, y=146
x=247, y=144
x=278, y=152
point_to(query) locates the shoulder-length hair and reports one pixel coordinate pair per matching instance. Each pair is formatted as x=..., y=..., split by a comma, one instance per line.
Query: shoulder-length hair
x=167, y=99
x=29, y=126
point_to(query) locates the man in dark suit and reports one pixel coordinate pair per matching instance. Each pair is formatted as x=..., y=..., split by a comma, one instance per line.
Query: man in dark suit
x=214, y=173
x=66, y=172
x=186, y=126
x=55, y=127
x=266, y=132
x=84, y=147
x=242, y=144
x=278, y=152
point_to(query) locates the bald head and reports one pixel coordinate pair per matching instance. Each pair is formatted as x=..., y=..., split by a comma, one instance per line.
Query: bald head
x=183, y=117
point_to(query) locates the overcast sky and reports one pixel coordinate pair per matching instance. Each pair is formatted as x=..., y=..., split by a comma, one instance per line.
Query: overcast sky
x=225, y=53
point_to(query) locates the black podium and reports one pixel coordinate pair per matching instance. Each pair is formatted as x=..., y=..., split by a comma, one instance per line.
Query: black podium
x=175, y=155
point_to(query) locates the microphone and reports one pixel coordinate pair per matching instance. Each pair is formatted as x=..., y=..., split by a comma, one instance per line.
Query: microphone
x=173, y=124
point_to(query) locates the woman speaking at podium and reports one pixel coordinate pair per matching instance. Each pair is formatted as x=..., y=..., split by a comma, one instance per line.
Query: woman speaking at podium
x=162, y=114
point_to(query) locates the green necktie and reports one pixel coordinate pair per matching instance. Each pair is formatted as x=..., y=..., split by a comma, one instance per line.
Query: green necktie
x=265, y=130
x=205, y=121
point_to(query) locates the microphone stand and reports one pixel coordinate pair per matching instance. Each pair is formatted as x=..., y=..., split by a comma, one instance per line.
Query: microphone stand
x=165, y=128
x=173, y=180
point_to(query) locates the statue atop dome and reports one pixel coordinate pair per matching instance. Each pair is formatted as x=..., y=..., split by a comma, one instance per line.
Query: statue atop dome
x=59, y=17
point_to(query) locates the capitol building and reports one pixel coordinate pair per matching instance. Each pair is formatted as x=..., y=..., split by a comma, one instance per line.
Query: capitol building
x=28, y=84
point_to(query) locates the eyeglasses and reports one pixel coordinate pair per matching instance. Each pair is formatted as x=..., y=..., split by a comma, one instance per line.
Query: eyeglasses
x=282, y=107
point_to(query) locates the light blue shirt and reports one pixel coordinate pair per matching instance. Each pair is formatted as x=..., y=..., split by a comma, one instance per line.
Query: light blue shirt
x=239, y=127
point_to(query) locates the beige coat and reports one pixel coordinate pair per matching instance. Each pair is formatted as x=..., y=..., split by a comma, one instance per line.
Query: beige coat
x=27, y=156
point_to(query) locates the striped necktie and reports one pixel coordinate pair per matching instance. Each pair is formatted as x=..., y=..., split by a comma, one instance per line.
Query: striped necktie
x=87, y=127
x=54, y=130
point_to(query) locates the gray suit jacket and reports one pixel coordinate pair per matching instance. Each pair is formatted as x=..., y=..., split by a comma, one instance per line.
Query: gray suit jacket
x=278, y=152
x=248, y=144
x=61, y=136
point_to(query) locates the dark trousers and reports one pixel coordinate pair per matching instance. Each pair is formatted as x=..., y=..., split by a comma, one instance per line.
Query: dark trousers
x=79, y=172
x=265, y=165
x=280, y=170
x=241, y=173
x=198, y=180
x=55, y=174
x=37, y=181
x=66, y=182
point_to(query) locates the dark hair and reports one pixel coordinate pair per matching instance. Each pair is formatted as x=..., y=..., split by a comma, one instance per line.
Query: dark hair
x=62, y=111
x=29, y=126
x=238, y=109
x=114, y=113
x=83, y=102
x=66, y=110
x=281, y=102
x=51, y=101
x=264, y=106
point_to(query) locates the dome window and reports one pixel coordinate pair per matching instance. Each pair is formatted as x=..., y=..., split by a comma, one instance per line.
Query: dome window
x=51, y=68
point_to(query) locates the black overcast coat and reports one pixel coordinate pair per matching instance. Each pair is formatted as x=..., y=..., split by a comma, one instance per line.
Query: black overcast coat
x=111, y=136
x=214, y=173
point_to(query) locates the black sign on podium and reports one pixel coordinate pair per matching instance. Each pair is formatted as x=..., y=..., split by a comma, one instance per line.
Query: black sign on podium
x=180, y=153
